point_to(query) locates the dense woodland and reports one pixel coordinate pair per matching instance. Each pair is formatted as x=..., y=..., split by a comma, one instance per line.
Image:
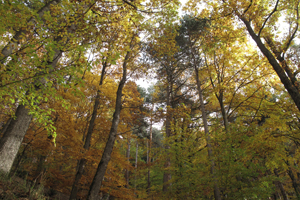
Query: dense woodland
x=221, y=121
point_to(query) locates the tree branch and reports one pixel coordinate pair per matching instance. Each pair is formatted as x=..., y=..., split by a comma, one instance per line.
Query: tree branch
x=248, y=7
x=274, y=10
x=294, y=33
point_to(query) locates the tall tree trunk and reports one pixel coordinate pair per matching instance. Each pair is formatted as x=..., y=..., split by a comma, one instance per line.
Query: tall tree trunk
x=217, y=193
x=167, y=174
x=17, y=127
x=127, y=156
x=87, y=143
x=275, y=196
x=196, y=62
x=279, y=184
x=224, y=113
x=13, y=137
x=40, y=170
x=283, y=72
x=149, y=154
x=98, y=178
x=136, y=161
x=294, y=181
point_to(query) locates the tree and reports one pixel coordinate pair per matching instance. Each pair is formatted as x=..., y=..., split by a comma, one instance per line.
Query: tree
x=189, y=27
x=262, y=22
x=33, y=82
x=106, y=62
x=97, y=181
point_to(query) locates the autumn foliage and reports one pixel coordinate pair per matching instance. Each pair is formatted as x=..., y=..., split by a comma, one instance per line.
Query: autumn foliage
x=220, y=120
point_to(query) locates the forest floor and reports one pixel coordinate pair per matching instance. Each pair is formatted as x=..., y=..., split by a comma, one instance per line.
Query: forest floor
x=12, y=188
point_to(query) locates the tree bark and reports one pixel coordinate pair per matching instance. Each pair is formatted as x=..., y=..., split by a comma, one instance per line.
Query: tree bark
x=98, y=178
x=82, y=161
x=18, y=161
x=13, y=137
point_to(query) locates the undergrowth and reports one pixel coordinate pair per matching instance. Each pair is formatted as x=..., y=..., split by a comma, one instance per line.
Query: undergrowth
x=13, y=187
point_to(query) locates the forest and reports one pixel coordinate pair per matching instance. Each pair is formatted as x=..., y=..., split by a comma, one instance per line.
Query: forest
x=218, y=118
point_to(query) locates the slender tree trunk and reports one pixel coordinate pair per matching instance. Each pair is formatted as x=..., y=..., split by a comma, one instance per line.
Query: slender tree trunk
x=167, y=174
x=98, y=178
x=275, y=196
x=294, y=181
x=279, y=184
x=147, y=149
x=136, y=161
x=38, y=174
x=82, y=161
x=149, y=155
x=127, y=156
x=224, y=113
x=217, y=193
x=219, y=96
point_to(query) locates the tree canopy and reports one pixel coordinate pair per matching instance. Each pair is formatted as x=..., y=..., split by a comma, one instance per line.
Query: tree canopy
x=221, y=120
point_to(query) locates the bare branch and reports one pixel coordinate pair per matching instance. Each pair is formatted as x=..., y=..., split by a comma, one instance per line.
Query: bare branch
x=127, y=2
x=257, y=109
x=248, y=7
x=263, y=26
x=294, y=33
x=245, y=100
